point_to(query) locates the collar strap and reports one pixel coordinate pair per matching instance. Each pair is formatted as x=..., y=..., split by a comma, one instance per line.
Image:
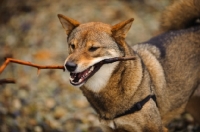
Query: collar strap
x=138, y=106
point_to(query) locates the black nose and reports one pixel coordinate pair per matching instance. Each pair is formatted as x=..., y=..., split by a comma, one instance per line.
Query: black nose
x=70, y=66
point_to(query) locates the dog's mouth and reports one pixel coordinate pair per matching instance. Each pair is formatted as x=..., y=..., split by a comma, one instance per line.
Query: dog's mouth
x=81, y=77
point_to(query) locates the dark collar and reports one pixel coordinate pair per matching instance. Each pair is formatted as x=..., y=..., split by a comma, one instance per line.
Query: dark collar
x=137, y=106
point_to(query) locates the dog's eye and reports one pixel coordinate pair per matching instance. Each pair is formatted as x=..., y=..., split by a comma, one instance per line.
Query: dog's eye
x=91, y=49
x=72, y=46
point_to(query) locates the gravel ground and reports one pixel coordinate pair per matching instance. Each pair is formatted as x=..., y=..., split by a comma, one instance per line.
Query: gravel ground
x=30, y=30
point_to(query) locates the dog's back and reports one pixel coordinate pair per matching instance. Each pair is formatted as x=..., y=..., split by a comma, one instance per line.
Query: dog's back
x=179, y=56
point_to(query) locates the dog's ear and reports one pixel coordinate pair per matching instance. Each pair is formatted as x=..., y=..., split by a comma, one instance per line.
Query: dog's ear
x=121, y=29
x=68, y=23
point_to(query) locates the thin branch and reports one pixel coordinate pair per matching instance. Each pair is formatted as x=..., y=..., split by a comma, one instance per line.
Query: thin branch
x=11, y=60
x=8, y=60
x=2, y=81
x=111, y=60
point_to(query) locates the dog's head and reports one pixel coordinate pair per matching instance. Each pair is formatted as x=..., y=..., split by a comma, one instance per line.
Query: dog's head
x=89, y=44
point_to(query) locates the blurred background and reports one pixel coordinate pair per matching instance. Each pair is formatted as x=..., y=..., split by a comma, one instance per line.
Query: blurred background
x=31, y=31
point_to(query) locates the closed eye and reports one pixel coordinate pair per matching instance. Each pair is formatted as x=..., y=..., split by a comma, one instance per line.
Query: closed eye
x=92, y=49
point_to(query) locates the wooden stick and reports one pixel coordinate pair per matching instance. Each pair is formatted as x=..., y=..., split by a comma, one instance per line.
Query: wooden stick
x=8, y=60
x=111, y=60
x=2, y=81
x=105, y=61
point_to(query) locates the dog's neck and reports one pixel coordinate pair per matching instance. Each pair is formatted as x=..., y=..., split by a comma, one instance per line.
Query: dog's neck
x=100, y=79
x=122, y=86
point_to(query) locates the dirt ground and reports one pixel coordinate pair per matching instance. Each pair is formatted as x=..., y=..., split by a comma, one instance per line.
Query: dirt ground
x=31, y=31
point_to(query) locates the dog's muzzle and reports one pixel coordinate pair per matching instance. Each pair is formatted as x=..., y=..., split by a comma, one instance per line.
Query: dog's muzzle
x=78, y=78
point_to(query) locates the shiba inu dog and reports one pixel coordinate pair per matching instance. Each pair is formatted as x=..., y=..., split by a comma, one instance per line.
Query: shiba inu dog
x=144, y=94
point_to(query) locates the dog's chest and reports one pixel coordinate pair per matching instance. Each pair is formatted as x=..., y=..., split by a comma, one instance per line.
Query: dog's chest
x=99, y=101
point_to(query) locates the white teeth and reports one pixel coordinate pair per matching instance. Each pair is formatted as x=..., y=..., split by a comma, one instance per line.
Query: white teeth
x=71, y=79
x=83, y=76
x=80, y=80
x=91, y=69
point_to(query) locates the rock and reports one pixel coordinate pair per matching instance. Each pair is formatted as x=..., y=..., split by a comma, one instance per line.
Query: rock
x=80, y=103
x=16, y=104
x=38, y=129
x=59, y=112
x=50, y=103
